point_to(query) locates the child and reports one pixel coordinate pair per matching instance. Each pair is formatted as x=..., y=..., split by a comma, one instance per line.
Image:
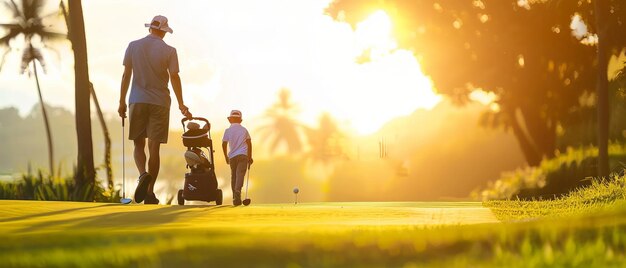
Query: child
x=239, y=156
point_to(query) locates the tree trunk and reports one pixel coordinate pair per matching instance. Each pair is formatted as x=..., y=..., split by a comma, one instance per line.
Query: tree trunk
x=85, y=172
x=601, y=13
x=533, y=158
x=107, y=139
x=45, y=120
x=105, y=129
x=540, y=132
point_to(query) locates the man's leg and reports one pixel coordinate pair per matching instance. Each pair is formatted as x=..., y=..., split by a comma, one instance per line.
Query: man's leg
x=137, y=132
x=140, y=155
x=144, y=177
x=154, y=163
x=157, y=132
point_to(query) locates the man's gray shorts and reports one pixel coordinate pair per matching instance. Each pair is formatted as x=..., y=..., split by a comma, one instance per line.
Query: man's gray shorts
x=149, y=121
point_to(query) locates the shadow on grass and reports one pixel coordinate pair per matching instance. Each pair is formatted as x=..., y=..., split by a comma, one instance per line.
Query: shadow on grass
x=53, y=213
x=124, y=219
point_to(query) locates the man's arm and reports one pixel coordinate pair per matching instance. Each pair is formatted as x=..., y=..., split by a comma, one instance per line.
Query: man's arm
x=224, y=146
x=128, y=72
x=178, y=91
x=249, y=142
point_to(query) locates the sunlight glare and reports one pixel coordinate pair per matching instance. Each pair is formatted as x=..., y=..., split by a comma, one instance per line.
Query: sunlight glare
x=374, y=33
x=487, y=98
x=390, y=85
x=483, y=97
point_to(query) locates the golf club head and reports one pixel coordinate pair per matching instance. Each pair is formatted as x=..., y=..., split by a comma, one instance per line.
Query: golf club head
x=125, y=201
x=246, y=201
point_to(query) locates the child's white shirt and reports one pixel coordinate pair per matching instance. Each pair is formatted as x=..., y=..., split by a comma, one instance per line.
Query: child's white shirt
x=236, y=136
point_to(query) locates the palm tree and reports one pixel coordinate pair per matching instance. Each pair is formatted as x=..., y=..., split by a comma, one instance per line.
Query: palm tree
x=325, y=140
x=27, y=22
x=105, y=129
x=283, y=128
x=85, y=171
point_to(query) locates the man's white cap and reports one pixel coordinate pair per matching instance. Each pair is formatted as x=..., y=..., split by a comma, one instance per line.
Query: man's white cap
x=235, y=114
x=160, y=23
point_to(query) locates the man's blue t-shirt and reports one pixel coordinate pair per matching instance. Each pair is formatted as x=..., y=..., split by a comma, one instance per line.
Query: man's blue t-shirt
x=151, y=59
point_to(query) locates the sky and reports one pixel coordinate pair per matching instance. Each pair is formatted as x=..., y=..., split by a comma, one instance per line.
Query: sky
x=238, y=54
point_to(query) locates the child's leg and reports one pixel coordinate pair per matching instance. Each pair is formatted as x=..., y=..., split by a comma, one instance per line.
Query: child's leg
x=233, y=177
x=242, y=165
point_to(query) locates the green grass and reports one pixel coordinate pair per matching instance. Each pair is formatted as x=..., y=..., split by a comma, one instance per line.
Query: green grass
x=67, y=234
x=599, y=196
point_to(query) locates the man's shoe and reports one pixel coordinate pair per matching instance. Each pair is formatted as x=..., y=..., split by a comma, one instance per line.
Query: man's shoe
x=142, y=187
x=236, y=203
x=151, y=199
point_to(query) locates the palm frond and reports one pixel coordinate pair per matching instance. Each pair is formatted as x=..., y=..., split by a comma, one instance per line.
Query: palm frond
x=10, y=25
x=27, y=20
x=13, y=8
x=51, y=14
x=32, y=54
x=4, y=41
x=52, y=35
x=32, y=8
x=3, y=58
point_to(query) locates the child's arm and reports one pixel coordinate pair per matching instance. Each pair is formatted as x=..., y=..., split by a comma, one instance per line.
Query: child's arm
x=249, y=142
x=224, y=145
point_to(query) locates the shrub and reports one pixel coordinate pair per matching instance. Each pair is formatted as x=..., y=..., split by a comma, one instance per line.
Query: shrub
x=52, y=188
x=554, y=177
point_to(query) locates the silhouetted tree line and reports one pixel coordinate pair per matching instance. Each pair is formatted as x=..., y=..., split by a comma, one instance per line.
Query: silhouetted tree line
x=22, y=139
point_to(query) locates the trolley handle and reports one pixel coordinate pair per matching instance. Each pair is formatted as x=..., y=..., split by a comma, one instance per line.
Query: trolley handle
x=182, y=122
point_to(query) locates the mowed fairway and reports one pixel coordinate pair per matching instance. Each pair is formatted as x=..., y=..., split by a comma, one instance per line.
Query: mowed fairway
x=35, y=233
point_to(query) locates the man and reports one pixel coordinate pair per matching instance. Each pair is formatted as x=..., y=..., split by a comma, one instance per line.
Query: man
x=151, y=63
x=240, y=155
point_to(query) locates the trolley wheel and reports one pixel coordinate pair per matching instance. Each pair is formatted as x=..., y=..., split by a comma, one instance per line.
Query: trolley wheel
x=218, y=197
x=181, y=199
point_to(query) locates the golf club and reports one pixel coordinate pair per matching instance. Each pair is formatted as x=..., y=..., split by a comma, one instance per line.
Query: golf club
x=124, y=200
x=247, y=201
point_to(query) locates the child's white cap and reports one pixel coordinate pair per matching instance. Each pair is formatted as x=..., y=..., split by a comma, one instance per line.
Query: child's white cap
x=235, y=114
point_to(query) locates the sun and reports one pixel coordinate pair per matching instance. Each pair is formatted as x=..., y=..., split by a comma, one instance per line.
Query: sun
x=391, y=84
x=375, y=33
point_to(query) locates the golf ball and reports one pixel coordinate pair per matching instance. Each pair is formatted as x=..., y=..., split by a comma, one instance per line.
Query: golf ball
x=296, y=190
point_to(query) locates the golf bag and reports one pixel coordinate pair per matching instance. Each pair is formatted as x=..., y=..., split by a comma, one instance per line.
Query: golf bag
x=200, y=180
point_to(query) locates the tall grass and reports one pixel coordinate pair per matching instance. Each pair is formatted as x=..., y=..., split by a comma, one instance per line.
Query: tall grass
x=601, y=194
x=55, y=188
